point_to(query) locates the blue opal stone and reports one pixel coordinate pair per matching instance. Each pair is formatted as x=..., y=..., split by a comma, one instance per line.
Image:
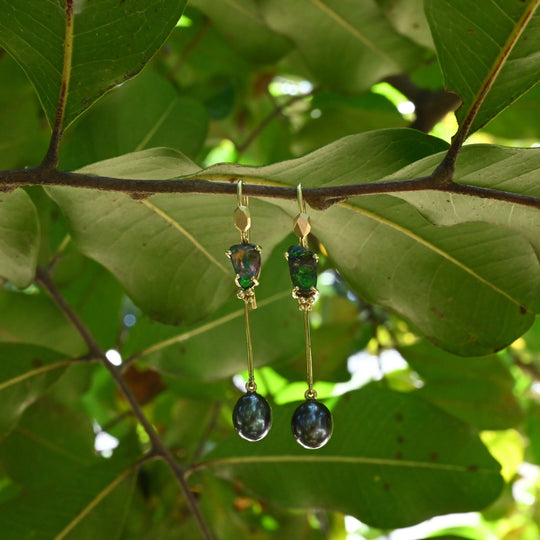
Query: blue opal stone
x=246, y=261
x=302, y=267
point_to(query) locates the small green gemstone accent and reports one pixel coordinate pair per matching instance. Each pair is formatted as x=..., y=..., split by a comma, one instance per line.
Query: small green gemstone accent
x=302, y=267
x=246, y=262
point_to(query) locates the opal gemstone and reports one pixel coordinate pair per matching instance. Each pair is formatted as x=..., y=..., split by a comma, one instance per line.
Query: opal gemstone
x=252, y=416
x=246, y=261
x=312, y=424
x=302, y=267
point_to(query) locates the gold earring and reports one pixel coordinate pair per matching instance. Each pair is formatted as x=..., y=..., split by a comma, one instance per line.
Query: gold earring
x=252, y=417
x=312, y=421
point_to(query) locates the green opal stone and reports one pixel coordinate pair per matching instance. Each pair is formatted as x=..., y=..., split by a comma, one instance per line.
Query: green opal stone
x=246, y=261
x=302, y=267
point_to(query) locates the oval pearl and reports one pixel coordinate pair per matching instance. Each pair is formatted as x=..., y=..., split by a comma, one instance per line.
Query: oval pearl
x=312, y=424
x=252, y=416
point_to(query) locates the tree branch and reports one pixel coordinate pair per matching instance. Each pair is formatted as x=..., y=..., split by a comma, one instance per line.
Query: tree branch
x=318, y=198
x=159, y=449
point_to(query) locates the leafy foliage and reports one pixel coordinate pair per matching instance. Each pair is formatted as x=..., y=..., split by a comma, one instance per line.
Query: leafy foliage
x=433, y=272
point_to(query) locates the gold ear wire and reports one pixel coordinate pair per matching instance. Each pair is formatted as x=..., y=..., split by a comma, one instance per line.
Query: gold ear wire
x=301, y=202
x=242, y=216
x=302, y=223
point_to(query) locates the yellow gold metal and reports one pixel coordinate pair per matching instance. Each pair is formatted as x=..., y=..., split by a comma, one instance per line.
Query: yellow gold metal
x=301, y=225
x=305, y=301
x=242, y=221
x=247, y=295
x=310, y=393
x=301, y=202
x=242, y=217
x=251, y=386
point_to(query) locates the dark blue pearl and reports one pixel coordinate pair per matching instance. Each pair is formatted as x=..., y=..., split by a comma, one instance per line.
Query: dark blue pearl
x=252, y=416
x=312, y=424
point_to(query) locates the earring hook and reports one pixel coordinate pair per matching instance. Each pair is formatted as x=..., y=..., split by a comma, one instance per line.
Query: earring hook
x=301, y=223
x=301, y=202
x=242, y=218
x=242, y=201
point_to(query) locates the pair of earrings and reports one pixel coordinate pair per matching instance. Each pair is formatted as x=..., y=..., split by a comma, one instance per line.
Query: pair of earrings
x=252, y=418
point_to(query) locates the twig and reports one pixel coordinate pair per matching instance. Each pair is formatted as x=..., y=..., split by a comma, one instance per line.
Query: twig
x=159, y=448
x=190, y=47
x=445, y=171
x=51, y=158
x=278, y=110
x=318, y=198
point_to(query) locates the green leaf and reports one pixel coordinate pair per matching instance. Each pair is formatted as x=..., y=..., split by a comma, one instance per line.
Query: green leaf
x=473, y=39
x=365, y=48
x=26, y=373
x=430, y=275
x=112, y=42
x=94, y=294
x=69, y=492
x=333, y=344
x=506, y=169
x=62, y=438
x=338, y=116
x=19, y=238
x=519, y=120
x=144, y=113
x=168, y=251
x=389, y=453
x=245, y=29
x=477, y=390
x=35, y=319
x=23, y=139
x=408, y=18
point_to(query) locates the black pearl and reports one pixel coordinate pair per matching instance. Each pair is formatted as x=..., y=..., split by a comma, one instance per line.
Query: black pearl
x=252, y=416
x=312, y=424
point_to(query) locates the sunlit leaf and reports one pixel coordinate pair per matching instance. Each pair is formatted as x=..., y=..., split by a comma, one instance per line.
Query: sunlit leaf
x=477, y=390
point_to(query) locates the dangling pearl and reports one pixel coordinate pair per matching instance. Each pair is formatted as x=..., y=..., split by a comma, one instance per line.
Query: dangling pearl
x=252, y=416
x=312, y=424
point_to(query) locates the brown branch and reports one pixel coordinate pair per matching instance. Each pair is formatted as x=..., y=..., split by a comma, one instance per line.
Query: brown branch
x=318, y=198
x=50, y=161
x=159, y=449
